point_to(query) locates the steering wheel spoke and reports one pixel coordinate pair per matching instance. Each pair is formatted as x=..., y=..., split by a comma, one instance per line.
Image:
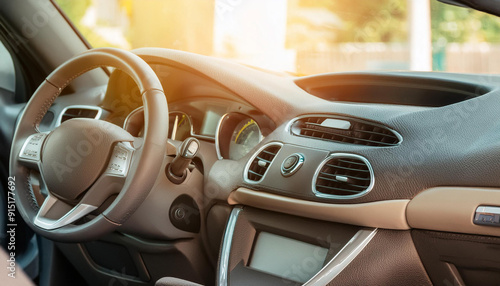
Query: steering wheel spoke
x=113, y=178
x=31, y=152
x=55, y=213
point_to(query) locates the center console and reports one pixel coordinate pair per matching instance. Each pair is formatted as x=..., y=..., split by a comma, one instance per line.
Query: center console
x=267, y=248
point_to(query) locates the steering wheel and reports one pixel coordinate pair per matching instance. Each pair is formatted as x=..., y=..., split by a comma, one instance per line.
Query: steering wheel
x=84, y=162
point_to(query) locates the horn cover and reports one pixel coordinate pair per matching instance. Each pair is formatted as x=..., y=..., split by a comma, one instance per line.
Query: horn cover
x=76, y=153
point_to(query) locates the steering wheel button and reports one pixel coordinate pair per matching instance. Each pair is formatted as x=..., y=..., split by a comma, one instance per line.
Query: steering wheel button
x=32, y=147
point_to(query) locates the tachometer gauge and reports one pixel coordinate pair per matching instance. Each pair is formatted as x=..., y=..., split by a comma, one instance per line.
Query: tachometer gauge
x=245, y=136
x=179, y=126
x=237, y=134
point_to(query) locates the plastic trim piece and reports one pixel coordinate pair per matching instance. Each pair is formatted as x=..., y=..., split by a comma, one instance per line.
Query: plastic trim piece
x=88, y=107
x=389, y=214
x=223, y=271
x=347, y=254
x=343, y=155
x=73, y=215
x=452, y=209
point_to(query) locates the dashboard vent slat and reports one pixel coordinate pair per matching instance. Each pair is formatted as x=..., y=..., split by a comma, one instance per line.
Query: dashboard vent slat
x=360, y=132
x=343, y=176
x=260, y=163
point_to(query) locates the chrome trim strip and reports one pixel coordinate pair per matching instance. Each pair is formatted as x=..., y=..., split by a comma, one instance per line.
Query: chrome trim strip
x=223, y=271
x=345, y=155
x=89, y=107
x=73, y=215
x=288, y=127
x=217, y=132
x=487, y=210
x=345, y=256
x=247, y=166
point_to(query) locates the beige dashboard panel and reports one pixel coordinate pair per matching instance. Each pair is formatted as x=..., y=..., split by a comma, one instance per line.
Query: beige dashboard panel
x=383, y=214
x=452, y=209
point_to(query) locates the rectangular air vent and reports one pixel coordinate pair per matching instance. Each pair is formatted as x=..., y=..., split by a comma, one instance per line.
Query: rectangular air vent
x=345, y=130
x=343, y=176
x=71, y=112
x=260, y=162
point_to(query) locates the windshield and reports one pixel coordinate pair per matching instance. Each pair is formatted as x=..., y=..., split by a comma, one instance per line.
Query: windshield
x=302, y=37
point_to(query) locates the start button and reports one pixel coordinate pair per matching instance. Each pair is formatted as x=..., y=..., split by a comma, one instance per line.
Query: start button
x=292, y=164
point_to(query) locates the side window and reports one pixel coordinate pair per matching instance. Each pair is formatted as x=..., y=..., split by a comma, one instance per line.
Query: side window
x=7, y=70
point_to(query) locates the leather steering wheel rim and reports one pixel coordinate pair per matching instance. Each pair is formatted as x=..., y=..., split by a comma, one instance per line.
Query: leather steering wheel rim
x=144, y=165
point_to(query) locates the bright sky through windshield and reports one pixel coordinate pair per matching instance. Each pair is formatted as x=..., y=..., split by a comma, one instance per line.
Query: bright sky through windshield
x=301, y=36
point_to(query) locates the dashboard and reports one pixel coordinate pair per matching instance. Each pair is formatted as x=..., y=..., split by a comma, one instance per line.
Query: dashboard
x=373, y=119
x=349, y=153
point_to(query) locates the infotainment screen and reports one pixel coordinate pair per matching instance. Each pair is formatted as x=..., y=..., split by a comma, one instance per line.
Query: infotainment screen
x=287, y=258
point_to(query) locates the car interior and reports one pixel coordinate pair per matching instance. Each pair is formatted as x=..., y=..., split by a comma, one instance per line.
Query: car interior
x=159, y=166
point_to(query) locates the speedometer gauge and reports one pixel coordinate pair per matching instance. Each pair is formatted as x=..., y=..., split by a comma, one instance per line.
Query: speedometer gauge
x=237, y=134
x=245, y=136
x=180, y=126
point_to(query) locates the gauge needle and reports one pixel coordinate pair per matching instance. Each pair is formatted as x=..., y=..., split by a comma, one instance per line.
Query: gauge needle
x=174, y=128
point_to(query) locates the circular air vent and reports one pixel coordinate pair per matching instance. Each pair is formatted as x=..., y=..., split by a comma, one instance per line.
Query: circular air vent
x=343, y=176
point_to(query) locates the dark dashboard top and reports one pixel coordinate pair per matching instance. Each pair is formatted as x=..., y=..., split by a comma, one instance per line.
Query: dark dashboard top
x=447, y=124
